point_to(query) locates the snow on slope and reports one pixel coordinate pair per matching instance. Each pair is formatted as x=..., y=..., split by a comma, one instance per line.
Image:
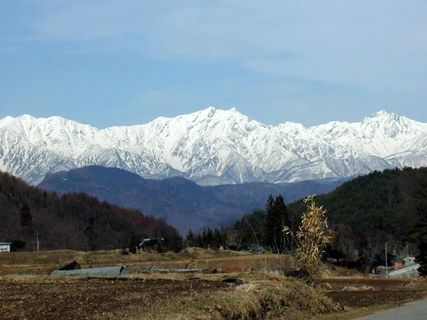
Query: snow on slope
x=214, y=147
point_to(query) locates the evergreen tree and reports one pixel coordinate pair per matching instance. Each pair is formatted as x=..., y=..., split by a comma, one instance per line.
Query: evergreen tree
x=209, y=238
x=134, y=241
x=26, y=217
x=189, y=240
x=421, y=258
x=421, y=229
x=173, y=242
x=269, y=222
x=276, y=219
x=91, y=234
x=224, y=237
x=217, y=239
x=159, y=247
x=250, y=229
x=199, y=241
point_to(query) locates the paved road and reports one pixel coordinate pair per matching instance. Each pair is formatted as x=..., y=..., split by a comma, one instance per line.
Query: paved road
x=411, y=311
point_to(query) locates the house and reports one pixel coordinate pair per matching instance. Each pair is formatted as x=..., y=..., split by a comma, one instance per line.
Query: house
x=149, y=243
x=398, y=263
x=409, y=261
x=5, y=246
x=257, y=249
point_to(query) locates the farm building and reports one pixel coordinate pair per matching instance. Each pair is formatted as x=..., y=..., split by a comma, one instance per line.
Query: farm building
x=5, y=246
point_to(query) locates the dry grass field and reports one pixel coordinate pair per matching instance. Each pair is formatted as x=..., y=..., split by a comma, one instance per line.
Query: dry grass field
x=27, y=291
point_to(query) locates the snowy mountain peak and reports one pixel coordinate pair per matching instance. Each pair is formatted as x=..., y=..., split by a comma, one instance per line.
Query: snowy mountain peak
x=25, y=117
x=214, y=146
x=6, y=121
x=383, y=114
x=211, y=112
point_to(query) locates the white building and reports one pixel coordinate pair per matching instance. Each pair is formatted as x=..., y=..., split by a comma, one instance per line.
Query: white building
x=5, y=246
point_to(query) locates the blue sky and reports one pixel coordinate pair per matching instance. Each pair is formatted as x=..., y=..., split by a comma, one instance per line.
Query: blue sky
x=129, y=61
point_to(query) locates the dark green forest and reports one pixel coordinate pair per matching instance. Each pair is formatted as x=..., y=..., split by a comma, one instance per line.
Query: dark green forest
x=363, y=213
x=371, y=210
x=72, y=221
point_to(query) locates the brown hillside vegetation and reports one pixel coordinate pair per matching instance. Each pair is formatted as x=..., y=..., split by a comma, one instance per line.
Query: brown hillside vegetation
x=72, y=221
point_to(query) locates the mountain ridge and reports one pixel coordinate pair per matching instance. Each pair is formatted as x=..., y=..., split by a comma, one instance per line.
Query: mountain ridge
x=214, y=146
x=179, y=201
x=73, y=221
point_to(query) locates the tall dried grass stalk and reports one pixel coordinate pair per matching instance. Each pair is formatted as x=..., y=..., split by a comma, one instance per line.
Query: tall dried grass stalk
x=312, y=237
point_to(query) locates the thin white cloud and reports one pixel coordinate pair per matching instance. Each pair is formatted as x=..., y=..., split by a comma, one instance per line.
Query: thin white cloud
x=85, y=20
x=371, y=44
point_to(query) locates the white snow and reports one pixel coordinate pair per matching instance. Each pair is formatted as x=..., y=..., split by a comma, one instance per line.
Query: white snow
x=214, y=146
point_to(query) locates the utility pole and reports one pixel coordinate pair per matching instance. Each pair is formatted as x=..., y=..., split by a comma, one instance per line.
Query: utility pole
x=386, y=268
x=37, y=240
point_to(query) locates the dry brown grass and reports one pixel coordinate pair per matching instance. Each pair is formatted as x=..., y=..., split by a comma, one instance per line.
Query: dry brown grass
x=363, y=295
x=45, y=261
x=26, y=290
x=145, y=298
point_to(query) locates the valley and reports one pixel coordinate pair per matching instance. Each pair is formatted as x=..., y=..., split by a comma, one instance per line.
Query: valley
x=179, y=201
x=224, y=160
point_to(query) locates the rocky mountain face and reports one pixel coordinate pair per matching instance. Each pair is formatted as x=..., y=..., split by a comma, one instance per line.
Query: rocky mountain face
x=181, y=202
x=213, y=147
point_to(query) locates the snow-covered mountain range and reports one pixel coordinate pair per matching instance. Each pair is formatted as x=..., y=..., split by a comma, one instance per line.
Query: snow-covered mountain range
x=213, y=147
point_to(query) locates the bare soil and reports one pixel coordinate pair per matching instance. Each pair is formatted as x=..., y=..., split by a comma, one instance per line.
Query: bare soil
x=96, y=298
x=366, y=292
x=361, y=296
x=28, y=292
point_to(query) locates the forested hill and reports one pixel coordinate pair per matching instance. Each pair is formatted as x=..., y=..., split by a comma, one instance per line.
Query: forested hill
x=181, y=202
x=364, y=213
x=72, y=221
x=385, y=201
x=376, y=208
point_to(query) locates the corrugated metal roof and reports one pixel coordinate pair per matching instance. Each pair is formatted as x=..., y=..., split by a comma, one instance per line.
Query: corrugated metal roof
x=102, y=271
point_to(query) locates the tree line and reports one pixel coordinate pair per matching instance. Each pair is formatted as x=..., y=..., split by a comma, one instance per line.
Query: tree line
x=262, y=228
x=364, y=214
x=208, y=238
x=72, y=221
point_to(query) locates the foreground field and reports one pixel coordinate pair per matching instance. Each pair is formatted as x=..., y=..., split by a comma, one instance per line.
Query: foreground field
x=159, y=299
x=28, y=292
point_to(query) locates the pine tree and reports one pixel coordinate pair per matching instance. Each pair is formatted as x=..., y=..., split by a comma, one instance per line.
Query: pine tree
x=209, y=238
x=26, y=217
x=277, y=218
x=421, y=229
x=199, y=241
x=217, y=238
x=189, y=240
x=269, y=222
x=91, y=234
x=133, y=243
x=282, y=220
